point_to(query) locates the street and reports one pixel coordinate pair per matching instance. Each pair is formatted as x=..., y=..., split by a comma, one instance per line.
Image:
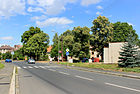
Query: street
x=42, y=78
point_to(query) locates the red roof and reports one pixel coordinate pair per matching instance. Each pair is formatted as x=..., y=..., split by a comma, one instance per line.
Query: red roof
x=49, y=49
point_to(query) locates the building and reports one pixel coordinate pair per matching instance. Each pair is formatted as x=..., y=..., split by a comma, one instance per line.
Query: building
x=6, y=48
x=17, y=47
x=111, y=53
x=94, y=54
x=48, y=51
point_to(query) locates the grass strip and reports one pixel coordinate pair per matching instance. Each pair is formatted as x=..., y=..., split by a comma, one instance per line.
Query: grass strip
x=1, y=65
x=113, y=67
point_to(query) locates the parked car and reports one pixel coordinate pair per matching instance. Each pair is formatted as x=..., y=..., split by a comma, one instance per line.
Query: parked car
x=85, y=60
x=8, y=60
x=31, y=61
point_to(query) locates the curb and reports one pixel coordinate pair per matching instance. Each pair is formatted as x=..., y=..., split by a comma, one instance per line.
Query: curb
x=110, y=73
x=12, y=89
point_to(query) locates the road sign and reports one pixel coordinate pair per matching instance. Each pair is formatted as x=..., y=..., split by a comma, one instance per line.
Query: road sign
x=67, y=50
x=67, y=53
x=12, y=53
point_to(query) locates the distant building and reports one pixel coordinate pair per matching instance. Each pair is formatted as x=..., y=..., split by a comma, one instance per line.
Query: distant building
x=111, y=53
x=48, y=51
x=6, y=48
x=94, y=54
x=17, y=47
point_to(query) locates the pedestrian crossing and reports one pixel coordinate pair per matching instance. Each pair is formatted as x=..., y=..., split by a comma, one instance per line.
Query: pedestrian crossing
x=37, y=67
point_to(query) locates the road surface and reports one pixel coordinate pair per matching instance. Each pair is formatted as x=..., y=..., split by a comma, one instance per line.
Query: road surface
x=53, y=79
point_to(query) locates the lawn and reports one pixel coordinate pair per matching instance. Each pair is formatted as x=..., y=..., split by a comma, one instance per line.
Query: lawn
x=1, y=65
x=113, y=67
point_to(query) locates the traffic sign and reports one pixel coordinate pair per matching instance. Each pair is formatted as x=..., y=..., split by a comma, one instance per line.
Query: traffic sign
x=12, y=53
x=67, y=50
x=67, y=53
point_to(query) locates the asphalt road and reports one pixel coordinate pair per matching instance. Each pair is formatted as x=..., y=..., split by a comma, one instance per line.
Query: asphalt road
x=52, y=79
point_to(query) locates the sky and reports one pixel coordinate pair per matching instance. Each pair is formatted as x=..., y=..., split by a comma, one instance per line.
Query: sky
x=16, y=16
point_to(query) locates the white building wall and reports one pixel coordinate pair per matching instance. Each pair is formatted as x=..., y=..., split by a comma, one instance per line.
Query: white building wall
x=111, y=54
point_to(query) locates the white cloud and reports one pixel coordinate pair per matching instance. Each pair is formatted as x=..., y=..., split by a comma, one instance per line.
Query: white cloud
x=99, y=7
x=11, y=7
x=31, y=2
x=131, y=24
x=6, y=38
x=31, y=9
x=50, y=7
x=54, y=21
x=98, y=13
x=38, y=18
x=89, y=2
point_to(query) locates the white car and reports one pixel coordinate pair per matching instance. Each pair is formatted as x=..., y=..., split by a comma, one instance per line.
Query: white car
x=31, y=61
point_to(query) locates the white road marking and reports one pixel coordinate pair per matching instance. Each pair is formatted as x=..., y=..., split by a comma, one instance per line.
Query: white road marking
x=30, y=67
x=51, y=70
x=36, y=67
x=19, y=67
x=42, y=67
x=64, y=73
x=123, y=87
x=24, y=67
x=84, y=78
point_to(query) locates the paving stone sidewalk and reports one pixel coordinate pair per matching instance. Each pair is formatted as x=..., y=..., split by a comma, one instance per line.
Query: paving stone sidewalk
x=5, y=78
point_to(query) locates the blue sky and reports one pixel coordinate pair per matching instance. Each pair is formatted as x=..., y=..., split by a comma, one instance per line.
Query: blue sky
x=16, y=16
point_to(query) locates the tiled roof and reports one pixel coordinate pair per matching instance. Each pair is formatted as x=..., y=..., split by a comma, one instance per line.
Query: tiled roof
x=49, y=49
x=7, y=47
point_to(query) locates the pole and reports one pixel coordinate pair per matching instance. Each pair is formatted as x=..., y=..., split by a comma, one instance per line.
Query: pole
x=58, y=47
x=62, y=48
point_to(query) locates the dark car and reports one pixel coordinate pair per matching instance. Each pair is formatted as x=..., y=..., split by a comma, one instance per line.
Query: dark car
x=8, y=60
x=31, y=61
x=85, y=60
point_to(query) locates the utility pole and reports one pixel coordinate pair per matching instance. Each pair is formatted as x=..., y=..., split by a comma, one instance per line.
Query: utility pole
x=62, y=47
x=58, y=47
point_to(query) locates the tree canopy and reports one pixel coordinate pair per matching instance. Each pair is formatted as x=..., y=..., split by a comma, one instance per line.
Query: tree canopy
x=101, y=33
x=35, y=42
x=121, y=32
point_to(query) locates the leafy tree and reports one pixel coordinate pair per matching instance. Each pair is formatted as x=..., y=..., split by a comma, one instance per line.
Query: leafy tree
x=7, y=55
x=101, y=34
x=18, y=55
x=54, y=51
x=37, y=45
x=35, y=42
x=129, y=56
x=121, y=31
x=81, y=43
x=68, y=41
x=28, y=34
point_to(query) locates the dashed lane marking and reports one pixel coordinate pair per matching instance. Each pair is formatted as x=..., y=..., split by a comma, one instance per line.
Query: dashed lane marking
x=122, y=87
x=83, y=78
x=64, y=73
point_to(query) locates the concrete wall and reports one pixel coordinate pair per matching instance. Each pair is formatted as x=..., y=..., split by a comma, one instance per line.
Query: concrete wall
x=111, y=54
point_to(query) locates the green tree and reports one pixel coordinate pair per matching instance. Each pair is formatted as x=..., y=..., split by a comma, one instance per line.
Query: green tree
x=68, y=41
x=121, y=31
x=81, y=43
x=101, y=34
x=37, y=45
x=18, y=55
x=7, y=55
x=28, y=34
x=129, y=54
x=54, y=51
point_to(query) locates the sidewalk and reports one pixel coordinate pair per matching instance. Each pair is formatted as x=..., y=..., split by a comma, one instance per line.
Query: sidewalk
x=5, y=78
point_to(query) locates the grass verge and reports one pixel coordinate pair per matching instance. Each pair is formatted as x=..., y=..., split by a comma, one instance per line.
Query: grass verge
x=1, y=65
x=113, y=67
